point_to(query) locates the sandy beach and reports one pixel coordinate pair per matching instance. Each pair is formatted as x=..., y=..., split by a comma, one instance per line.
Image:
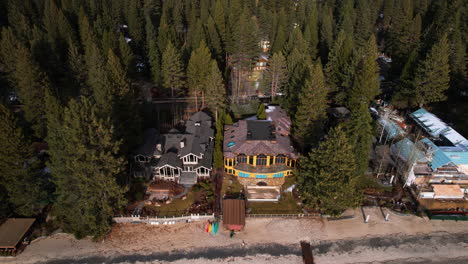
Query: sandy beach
x=403, y=239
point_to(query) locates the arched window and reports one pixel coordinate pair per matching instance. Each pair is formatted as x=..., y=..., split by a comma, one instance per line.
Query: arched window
x=241, y=159
x=280, y=159
x=261, y=160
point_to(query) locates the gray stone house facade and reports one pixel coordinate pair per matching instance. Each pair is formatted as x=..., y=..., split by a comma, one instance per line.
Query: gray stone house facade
x=183, y=157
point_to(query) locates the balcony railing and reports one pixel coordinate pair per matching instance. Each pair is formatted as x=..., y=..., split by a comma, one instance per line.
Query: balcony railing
x=262, y=169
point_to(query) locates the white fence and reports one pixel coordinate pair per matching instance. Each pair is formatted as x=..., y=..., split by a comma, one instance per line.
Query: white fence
x=282, y=215
x=163, y=220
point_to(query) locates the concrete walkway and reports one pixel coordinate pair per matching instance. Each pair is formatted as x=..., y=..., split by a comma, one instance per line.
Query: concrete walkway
x=186, y=190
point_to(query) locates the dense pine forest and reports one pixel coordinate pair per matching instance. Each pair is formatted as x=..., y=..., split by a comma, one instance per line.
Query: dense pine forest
x=72, y=72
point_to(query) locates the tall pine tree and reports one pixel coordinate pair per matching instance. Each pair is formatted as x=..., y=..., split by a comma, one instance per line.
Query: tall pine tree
x=276, y=75
x=215, y=90
x=366, y=83
x=198, y=72
x=433, y=74
x=21, y=174
x=84, y=165
x=173, y=74
x=311, y=111
x=327, y=176
x=31, y=83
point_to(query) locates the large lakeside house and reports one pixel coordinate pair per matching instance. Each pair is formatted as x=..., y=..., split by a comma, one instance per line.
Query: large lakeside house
x=260, y=153
x=182, y=157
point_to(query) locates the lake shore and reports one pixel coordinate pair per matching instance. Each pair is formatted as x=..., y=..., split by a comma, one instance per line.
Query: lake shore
x=407, y=239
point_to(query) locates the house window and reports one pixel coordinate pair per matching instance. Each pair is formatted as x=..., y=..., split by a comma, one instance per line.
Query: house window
x=203, y=171
x=188, y=168
x=190, y=159
x=261, y=160
x=260, y=176
x=271, y=160
x=251, y=160
x=244, y=175
x=166, y=172
x=241, y=159
x=280, y=159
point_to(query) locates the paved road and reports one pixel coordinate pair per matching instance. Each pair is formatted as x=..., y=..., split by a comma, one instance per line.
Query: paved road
x=419, y=246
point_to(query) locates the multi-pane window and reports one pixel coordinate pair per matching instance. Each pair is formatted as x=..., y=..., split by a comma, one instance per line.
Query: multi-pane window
x=261, y=176
x=241, y=159
x=261, y=160
x=190, y=159
x=280, y=159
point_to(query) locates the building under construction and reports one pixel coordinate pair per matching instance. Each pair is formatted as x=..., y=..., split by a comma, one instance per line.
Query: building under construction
x=433, y=162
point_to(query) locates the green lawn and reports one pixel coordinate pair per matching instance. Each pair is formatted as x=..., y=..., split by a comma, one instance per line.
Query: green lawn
x=230, y=188
x=176, y=208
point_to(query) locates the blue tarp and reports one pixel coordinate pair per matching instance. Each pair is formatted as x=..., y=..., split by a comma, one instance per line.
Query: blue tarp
x=439, y=158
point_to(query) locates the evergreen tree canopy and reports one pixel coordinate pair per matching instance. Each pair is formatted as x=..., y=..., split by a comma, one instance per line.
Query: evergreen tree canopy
x=340, y=67
x=432, y=76
x=173, y=74
x=215, y=90
x=197, y=70
x=276, y=74
x=360, y=133
x=20, y=174
x=366, y=83
x=84, y=165
x=31, y=84
x=327, y=175
x=312, y=107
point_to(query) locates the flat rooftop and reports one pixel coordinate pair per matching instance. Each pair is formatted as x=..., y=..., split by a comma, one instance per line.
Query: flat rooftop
x=13, y=230
x=447, y=191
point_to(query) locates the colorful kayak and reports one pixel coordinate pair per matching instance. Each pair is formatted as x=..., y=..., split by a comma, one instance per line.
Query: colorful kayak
x=215, y=228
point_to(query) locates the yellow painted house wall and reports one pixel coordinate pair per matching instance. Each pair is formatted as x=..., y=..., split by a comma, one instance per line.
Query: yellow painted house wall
x=230, y=163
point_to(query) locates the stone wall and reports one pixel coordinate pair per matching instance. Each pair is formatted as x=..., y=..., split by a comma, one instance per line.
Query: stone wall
x=254, y=181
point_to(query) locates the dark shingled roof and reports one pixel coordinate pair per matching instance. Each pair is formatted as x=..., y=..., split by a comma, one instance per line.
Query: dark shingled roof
x=208, y=157
x=170, y=159
x=196, y=140
x=233, y=212
x=150, y=139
